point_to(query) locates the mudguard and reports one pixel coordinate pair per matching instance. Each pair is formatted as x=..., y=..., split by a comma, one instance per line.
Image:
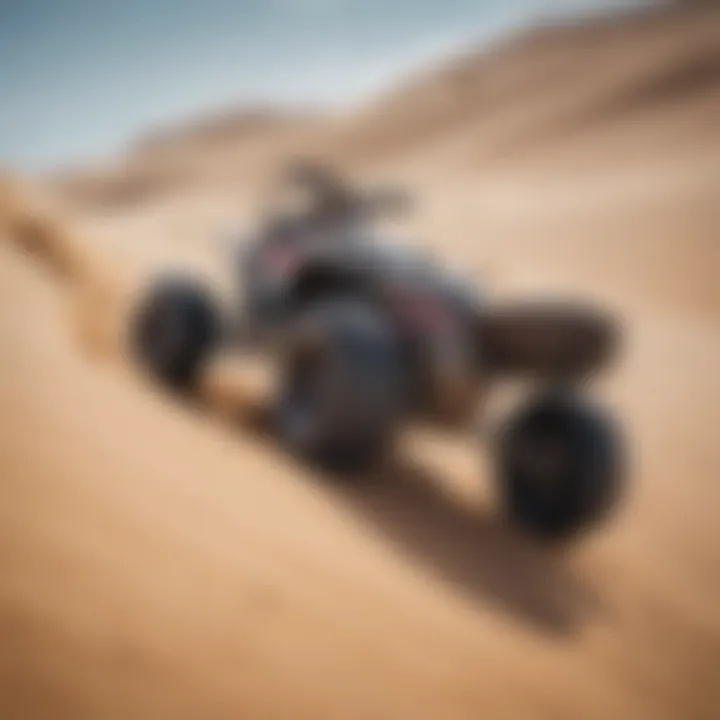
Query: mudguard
x=547, y=340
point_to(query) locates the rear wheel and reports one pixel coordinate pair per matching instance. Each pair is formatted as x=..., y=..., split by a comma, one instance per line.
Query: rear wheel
x=340, y=393
x=559, y=467
x=175, y=328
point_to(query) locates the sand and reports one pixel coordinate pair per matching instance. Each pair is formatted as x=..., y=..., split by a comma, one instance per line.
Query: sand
x=161, y=560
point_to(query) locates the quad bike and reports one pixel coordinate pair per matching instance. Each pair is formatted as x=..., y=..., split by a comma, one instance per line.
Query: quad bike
x=367, y=336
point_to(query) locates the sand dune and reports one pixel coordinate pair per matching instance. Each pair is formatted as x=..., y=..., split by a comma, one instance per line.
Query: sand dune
x=160, y=560
x=547, y=90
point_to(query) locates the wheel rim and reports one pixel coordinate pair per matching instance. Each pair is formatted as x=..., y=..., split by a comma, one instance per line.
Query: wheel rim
x=162, y=335
x=302, y=406
x=544, y=460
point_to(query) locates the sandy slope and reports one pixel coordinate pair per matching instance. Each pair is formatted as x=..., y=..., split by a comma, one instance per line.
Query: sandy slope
x=160, y=561
x=157, y=562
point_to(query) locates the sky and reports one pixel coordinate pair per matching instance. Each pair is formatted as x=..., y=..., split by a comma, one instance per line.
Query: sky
x=79, y=79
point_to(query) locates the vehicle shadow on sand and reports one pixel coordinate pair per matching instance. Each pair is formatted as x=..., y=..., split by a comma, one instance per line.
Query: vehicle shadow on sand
x=471, y=549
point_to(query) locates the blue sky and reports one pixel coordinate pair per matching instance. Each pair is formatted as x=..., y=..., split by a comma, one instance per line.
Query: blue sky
x=80, y=78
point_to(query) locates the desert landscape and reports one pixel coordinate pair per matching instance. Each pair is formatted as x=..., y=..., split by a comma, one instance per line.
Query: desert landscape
x=162, y=560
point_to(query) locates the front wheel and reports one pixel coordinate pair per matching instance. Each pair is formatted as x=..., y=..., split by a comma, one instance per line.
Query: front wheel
x=173, y=331
x=340, y=391
x=559, y=467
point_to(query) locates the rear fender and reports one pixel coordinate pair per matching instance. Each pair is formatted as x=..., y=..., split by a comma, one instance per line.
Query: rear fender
x=547, y=340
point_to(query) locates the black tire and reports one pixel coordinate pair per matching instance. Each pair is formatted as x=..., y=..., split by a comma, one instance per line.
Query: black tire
x=173, y=331
x=559, y=468
x=340, y=391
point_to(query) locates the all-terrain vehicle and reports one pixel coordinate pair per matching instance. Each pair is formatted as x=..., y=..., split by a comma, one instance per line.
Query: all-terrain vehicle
x=368, y=335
